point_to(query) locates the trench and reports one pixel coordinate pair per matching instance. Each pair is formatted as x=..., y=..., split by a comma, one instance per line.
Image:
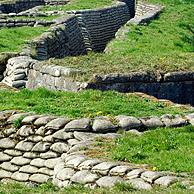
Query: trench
x=91, y=30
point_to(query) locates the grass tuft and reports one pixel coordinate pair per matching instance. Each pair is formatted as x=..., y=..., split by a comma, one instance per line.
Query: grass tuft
x=17, y=123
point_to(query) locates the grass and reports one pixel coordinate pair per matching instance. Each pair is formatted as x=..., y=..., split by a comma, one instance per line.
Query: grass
x=166, y=44
x=18, y=188
x=83, y=104
x=13, y=39
x=79, y=5
x=164, y=149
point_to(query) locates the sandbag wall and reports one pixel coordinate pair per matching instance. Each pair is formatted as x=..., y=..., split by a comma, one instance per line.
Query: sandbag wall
x=16, y=6
x=62, y=40
x=19, y=5
x=53, y=77
x=175, y=86
x=37, y=148
x=23, y=71
x=99, y=26
x=29, y=152
x=81, y=31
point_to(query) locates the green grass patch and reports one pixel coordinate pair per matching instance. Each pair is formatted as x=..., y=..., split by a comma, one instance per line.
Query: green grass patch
x=18, y=188
x=79, y=5
x=18, y=122
x=166, y=149
x=87, y=103
x=166, y=44
x=13, y=39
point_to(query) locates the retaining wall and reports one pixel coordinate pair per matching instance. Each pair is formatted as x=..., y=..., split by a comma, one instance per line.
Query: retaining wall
x=16, y=6
x=98, y=27
x=17, y=70
x=4, y=57
x=19, y=5
x=61, y=40
x=38, y=148
x=176, y=86
x=23, y=71
x=82, y=31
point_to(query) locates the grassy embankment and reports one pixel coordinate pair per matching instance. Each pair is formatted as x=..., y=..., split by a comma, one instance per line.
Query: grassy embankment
x=13, y=39
x=83, y=104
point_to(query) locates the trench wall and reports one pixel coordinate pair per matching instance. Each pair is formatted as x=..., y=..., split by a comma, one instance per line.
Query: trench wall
x=53, y=78
x=19, y=5
x=38, y=148
x=64, y=39
x=99, y=26
x=176, y=86
x=10, y=23
x=23, y=71
x=82, y=31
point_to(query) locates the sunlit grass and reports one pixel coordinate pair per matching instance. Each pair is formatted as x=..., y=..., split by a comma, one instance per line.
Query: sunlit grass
x=13, y=39
x=88, y=103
